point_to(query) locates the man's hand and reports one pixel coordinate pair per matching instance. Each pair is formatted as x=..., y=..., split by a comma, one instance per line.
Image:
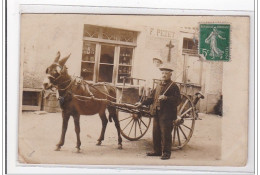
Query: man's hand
x=162, y=97
x=138, y=104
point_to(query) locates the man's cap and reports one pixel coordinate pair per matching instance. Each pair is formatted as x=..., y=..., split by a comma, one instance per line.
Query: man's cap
x=157, y=59
x=166, y=68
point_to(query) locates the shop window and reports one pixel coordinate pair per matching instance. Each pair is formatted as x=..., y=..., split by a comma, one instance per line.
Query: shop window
x=190, y=46
x=107, y=54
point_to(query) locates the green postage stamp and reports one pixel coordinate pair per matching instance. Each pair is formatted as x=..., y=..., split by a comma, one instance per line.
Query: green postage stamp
x=214, y=41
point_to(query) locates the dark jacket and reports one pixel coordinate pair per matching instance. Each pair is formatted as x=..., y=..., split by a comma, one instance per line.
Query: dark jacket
x=165, y=109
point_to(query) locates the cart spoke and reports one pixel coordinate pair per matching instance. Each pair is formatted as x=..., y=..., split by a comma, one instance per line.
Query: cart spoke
x=188, y=110
x=183, y=133
x=174, y=133
x=128, y=124
x=135, y=129
x=178, y=136
x=125, y=118
x=143, y=123
x=128, y=120
x=186, y=126
x=131, y=128
x=183, y=106
x=140, y=127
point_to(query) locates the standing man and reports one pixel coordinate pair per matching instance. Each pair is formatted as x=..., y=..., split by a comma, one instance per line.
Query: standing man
x=164, y=101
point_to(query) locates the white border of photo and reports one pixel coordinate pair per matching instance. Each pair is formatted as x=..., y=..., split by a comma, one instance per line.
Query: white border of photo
x=167, y=7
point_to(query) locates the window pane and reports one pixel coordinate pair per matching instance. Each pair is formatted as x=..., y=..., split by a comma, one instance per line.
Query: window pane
x=105, y=73
x=125, y=63
x=190, y=44
x=127, y=36
x=107, y=54
x=109, y=34
x=87, y=71
x=88, y=53
x=124, y=71
x=91, y=31
x=126, y=55
x=106, y=63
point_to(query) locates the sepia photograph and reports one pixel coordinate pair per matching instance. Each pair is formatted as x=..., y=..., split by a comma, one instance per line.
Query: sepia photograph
x=133, y=90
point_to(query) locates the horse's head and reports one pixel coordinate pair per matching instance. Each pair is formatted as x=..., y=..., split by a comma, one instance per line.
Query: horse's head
x=56, y=72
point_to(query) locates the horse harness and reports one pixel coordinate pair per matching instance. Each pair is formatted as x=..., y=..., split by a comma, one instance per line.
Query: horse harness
x=77, y=81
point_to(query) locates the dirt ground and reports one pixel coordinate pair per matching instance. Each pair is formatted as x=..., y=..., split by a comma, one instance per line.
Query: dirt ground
x=38, y=135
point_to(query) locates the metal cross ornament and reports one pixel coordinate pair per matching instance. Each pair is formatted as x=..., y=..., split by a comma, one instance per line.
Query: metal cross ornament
x=169, y=54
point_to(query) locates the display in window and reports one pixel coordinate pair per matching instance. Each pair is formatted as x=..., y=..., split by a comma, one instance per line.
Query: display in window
x=123, y=71
x=87, y=71
x=125, y=56
x=107, y=50
x=125, y=63
x=88, y=53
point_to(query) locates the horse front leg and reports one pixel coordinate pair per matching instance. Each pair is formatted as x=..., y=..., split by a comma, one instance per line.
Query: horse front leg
x=104, y=120
x=77, y=130
x=118, y=132
x=65, y=119
x=114, y=115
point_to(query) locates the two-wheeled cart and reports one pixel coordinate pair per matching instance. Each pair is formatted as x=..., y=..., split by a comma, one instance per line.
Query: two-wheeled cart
x=135, y=122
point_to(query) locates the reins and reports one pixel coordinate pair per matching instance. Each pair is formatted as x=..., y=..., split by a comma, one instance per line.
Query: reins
x=86, y=97
x=89, y=84
x=93, y=86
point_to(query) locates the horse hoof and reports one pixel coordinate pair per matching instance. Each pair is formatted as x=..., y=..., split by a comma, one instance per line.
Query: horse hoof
x=98, y=143
x=120, y=147
x=58, y=148
x=78, y=150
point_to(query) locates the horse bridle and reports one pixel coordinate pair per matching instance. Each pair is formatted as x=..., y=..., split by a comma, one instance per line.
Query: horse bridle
x=60, y=74
x=55, y=79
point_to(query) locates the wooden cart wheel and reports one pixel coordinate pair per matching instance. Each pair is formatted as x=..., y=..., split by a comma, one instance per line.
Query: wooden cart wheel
x=183, y=126
x=133, y=126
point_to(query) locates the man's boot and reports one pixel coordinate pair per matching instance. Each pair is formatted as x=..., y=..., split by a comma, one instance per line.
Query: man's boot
x=166, y=156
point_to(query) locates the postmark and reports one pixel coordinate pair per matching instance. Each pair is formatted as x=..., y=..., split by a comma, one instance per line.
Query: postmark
x=214, y=41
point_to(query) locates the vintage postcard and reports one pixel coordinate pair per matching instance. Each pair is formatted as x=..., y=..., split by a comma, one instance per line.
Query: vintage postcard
x=134, y=90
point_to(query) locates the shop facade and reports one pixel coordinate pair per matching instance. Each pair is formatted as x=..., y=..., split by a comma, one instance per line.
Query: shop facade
x=105, y=50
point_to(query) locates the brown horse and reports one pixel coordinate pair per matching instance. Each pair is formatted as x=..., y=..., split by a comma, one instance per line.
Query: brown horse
x=69, y=92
